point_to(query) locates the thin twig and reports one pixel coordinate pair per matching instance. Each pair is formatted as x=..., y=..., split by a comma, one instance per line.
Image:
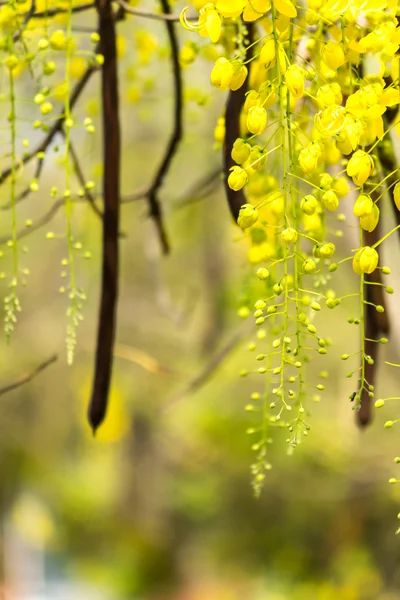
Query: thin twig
x=166, y=16
x=52, y=12
x=144, y=360
x=44, y=220
x=29, y=376
x=176, y=136
x=81, y=178
x=58, y=123
x=27, y=191
x=209, y=369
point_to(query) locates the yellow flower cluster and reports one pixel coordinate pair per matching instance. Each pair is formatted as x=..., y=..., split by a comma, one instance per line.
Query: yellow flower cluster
x=320, y=97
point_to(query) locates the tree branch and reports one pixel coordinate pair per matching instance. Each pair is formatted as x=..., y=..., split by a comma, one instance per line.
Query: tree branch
x=29, y=376
x=166, y=16
x=176, y=136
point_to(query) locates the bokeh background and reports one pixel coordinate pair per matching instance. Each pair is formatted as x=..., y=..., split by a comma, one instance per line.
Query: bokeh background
x=159, y=505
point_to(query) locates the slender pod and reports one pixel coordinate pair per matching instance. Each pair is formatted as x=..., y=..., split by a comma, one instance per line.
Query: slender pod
x=111, y=190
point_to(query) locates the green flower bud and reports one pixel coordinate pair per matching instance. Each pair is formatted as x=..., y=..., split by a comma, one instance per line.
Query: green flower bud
x=248, y=215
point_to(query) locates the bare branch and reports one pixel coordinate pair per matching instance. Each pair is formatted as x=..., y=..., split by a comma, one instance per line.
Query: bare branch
x=29, y=376
x=81, y=178
x=52, y=12
x=58, y=123
x=166, y=16
x=209, y=369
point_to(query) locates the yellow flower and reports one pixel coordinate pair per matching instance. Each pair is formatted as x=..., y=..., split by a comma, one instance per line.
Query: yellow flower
x=308, y=205
x=363, y=206
x=248, y=216
x=230, y=8
x=257, y=120
x=220, y=130
x=240, y=151
x=289, y=235
x=365, y=260
x=222, y=73
x=267, y=55
x=253, y=98
x=349, y=136
x=239, y=75
x=308, y=158
x=208, y=25
x=329, y=94
x=370, y=221
x=341, y=187
x=286, y=8
x=295, y=81
x=360, y=167
x=57, y=40
x=330, y=200
x=256, y=9
x=257, y=159
x=237, y=178
x=330, y=120
x=333, y=55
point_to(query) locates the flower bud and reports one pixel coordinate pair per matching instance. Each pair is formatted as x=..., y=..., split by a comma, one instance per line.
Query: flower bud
x=309, y=266
x=363, y=206
x=240, y=151
x=257, y=158
x=333, y=55
x=237, y=179
x=257, y=120
x=289, y=235
x=365, y=260
x=222, y=74
x=369, y=222
x=308, y=205
x=239, y=75
x=360, y=167
x=252, y=99
x=57, y=40
x=267, y=55
x=327, y=250
x=330, y=200
x=248, y=216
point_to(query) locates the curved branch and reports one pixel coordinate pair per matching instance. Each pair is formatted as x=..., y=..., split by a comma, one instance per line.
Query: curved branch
x=232, y=126
x=29, y=376
x=176, y=136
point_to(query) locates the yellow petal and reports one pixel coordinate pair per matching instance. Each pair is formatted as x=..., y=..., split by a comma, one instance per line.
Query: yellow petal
x=256, y=9
x=286, y=7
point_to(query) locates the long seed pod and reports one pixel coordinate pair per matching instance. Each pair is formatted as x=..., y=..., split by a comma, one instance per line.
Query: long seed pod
x=111, y=190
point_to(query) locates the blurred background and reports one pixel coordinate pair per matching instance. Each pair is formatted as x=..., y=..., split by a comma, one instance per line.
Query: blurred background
x=159, y=505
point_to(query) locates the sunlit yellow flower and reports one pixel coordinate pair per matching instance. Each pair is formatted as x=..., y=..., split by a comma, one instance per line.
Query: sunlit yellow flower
x=237, y=178
x=257, y=120
x=360, y=167
x=222, y=73
x=294, y=79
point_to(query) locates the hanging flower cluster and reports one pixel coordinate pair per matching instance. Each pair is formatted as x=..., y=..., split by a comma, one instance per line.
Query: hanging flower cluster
x=314, y=158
